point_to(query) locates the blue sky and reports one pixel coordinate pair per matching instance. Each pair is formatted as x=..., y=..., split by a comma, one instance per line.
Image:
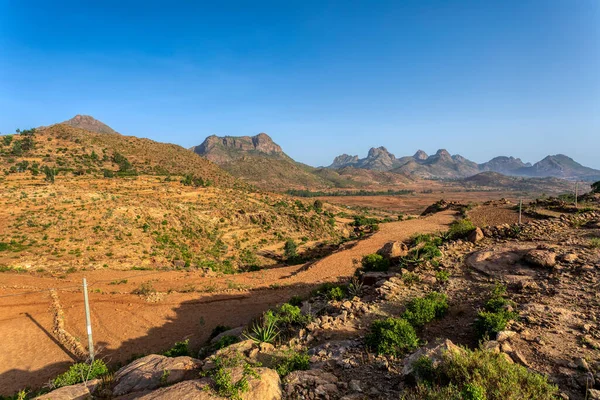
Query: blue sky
x=480, y=78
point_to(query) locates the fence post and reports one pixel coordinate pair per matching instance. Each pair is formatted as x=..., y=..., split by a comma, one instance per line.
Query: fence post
x=520, y=207
x=576, y=192
x=88, y=321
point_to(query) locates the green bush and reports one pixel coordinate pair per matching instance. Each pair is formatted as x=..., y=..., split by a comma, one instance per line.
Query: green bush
x=596, y=187
x=225, y=341
x=495, y=314
x=293, y=361
x=460, y=229
x=375, y=262
x=265, y=331
x=392, y=336
x=296, y=301
x=223, y=380
x=80, y=372
x=336, y=293
x=286, y=314
x=481, y=375
x=442, y=276
x=179, y=349
x=423, y=310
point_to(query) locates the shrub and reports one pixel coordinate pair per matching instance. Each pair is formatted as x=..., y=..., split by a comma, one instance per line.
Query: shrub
x=375, y=262
x=218, y=330
x=179, y=349
x=336, y=293
x=293, y=361
x=495, y=314
x=481, y=375
x=318, y=205
x=80, y=372
x=410, y=278
x=286, y=314
x=296, y=301
x=423, y=310
x=224, y=384
x=392, y=336
x=442, y=276
x=355, y=287
x=595, y=243
x=460, y=229
x=596, y=187
x=225, y=341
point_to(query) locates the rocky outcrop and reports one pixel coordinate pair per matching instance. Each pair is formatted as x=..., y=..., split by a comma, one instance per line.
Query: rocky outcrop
x=224, y=149
x=89, y=123
x=541, y=258
x=393, y=250
x=153, y=371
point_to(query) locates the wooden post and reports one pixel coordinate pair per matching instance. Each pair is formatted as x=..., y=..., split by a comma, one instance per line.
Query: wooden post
x=88, y=321
x=520, y=208
x=576, y=192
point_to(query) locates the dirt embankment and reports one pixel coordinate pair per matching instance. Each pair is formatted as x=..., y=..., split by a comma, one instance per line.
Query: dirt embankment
x=126, y=324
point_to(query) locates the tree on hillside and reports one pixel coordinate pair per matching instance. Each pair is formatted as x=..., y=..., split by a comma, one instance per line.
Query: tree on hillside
x=596, y=187
x=50, y=173
x=318, y=204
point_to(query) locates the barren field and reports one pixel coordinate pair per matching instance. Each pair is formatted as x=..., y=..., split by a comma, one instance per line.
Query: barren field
x=175, y=305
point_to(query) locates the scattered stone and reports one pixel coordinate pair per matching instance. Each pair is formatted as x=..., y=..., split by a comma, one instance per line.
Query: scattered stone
x=237, y=332
x=505, y=335
x=435, y=354
x=73, y=392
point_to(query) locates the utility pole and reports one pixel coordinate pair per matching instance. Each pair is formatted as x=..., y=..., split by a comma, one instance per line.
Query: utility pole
x=576, y=192
x=88, y=321
x=520, y=208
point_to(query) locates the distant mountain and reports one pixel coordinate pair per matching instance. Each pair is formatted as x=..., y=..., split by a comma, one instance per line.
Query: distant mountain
x=504, y=165
x=443, y=165
x=560, y=166
x=89, y=123
x=495, y=180
x=261, y=162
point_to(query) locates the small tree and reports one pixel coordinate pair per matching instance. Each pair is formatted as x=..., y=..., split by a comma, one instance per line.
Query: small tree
x=290, y=249
x=50, y=173
x=596, y=187
x=318, y=204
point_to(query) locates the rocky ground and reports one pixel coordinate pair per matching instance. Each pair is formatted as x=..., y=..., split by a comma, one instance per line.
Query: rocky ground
x=550, y=269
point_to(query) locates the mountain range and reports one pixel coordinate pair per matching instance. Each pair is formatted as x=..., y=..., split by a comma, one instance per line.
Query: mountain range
x=260, y=161
x=443, y=165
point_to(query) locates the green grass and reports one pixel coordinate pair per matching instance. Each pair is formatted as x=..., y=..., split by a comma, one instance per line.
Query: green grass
x=495, y=314
x=80, y=372
x=293, y=361
x=478, y=375
x=460, y=229
x=594, y=243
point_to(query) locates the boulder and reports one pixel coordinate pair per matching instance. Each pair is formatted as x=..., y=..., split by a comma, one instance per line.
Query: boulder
x=392, y=250
x=435, y=354
x=569, y=257
x=237, y=332
x=153, y=371
x=476, y=235
x=541, y=258
x=81, y=391
x=266, y=387
x=315, y=380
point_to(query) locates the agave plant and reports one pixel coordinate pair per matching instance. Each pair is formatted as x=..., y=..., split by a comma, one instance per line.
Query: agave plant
x=266, y=332
x=355, y=288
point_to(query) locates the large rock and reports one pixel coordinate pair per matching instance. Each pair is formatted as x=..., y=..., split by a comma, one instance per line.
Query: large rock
x=392, y=250
x=153, y=371
x=434, y=353
x=266, y=387
x=323, y=384
x=541, y=258
x=80, y=391
x=237, y=332
x=476, y=235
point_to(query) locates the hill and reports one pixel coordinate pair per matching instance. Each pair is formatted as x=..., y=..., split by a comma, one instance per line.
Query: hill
x=494, y=180
x=560, y=166
x=69, y=150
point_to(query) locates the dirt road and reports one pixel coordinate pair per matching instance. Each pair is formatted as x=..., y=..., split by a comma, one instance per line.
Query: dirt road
x=190, y=306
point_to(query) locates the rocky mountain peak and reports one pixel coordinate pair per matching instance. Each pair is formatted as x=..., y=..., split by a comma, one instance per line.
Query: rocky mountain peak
x=420, y=155
x=221, y=149
x=89, y=123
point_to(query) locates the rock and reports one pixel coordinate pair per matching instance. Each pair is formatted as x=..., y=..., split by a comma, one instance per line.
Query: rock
x=153, y=371
x=582, y=364
x=354, y=385
x=505, y=335
x=80, y=391
x=519, y=358
x=593, y=394
x=541, y=258
x=569, y=257
x=314, y=380
x=231, y=332
x=392, y=250
x=267, y=387
x=371, y=278
x=476, y=235
x=435, y=354
x=492, y=346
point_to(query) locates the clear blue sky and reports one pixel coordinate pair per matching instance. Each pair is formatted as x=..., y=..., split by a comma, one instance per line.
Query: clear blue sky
x=478, y=77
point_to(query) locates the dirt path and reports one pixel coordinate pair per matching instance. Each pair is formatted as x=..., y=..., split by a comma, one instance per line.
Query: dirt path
x=125, y=324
